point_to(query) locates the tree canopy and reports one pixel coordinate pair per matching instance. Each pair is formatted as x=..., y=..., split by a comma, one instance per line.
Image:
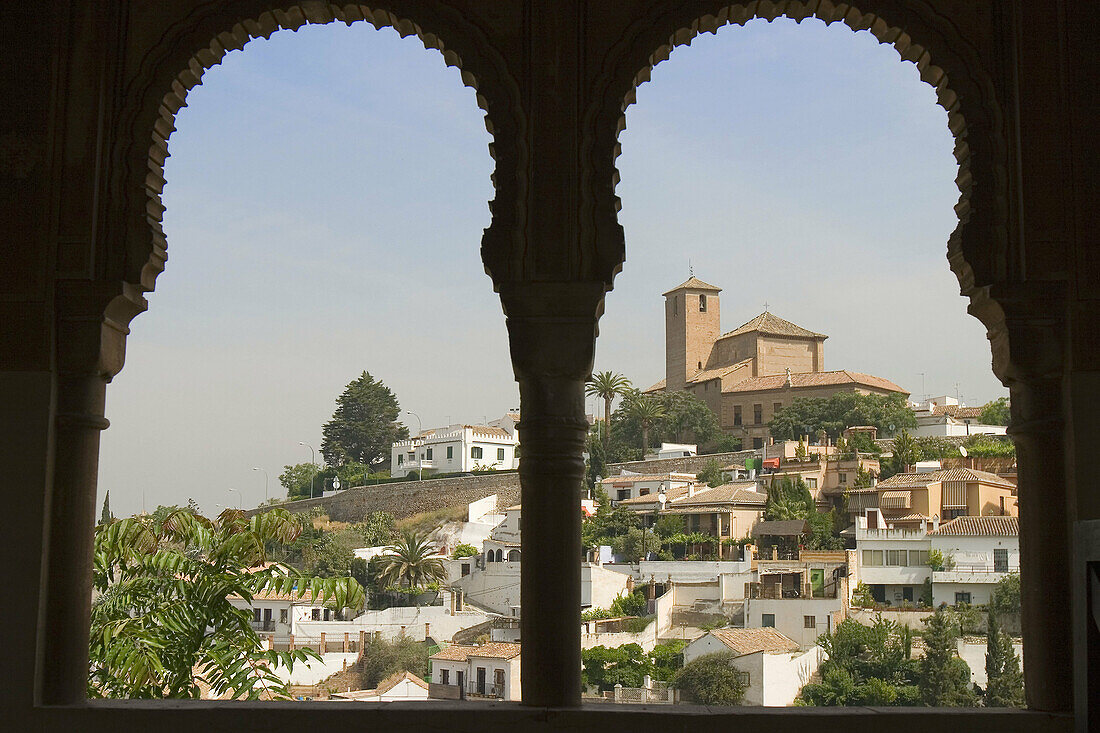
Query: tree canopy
x=1004, y=680
x=944, y=677
x=712, y=680
x=648, y=419
x=607, y=386
x=364, y=425
x=996, y=412
x=411, y=562
x=811, y=415
x=865, y=665
x=163, y=623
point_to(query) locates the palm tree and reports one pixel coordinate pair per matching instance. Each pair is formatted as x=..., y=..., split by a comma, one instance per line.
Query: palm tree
x=411, y=562
x=906, y=451
x=607, y=386
x=647, y=411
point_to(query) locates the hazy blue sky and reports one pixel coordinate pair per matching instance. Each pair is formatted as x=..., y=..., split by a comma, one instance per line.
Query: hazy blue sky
x=327, y=191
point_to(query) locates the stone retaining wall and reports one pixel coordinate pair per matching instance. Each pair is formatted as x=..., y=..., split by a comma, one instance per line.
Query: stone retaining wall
x=405, y=499
x=690, y=464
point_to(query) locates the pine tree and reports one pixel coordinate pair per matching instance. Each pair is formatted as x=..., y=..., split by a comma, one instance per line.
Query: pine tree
x=105, y=517
x=1004, y=680
x=944, y=678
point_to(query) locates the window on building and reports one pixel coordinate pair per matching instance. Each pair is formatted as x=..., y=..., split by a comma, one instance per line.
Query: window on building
x=767, y=619
x=757, y=443
x=842, y=478
x=282, y=615
x=1000, y=560
x=500, y=454
x=872, y=558
x=811, y=483
x=315, y=614
x=962, y=598
x=643, y=492
x=428, y=455
x=918, y=558
x=450, y=452
x=465, y=569
x=475, y=452
x=256, y=615
x=445, y=676
x=896, y=558
x=809, y=622
x=675, y=306
x=757, y=414
x=623, y=494
x=907, y=593
x=776, y=407
x=737, y=414
x=400, y=459
x=702, y=304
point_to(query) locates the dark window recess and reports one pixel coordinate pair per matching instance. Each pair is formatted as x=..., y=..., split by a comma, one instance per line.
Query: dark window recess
x=737, y=414
x=809, y=622
x=702, y=304
x=450, y=451
x=757, y=443
x=500, y=454
x=767, y=619
x=757, y=414
x=1000, y=560
x=476, y=452
x=429, y=454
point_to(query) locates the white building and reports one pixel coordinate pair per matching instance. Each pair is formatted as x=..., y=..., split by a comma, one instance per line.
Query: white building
x=277, y=615
x=892, y=563
x=674, y=450
x=454, y=449
x=487, y=671
x=398, y=687
x=945, y=417
x=631, y=486
x=978, y=552
x=774, y=667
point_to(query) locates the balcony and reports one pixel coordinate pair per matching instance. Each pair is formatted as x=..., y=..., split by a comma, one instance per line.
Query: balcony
x=485, y=691
x=964, y=573
x=268, y=625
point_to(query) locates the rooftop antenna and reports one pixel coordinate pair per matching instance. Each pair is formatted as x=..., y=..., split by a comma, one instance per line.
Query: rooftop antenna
x=691, y=270
x=765, y=306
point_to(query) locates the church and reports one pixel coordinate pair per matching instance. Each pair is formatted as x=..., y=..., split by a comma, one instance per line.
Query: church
x=749, y=374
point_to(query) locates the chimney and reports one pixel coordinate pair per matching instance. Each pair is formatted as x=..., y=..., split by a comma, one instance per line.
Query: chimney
x=427, y=629
x=324, y=646
x=691, y=490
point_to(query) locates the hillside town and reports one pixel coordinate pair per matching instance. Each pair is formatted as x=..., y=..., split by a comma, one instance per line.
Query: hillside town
x=806, y=537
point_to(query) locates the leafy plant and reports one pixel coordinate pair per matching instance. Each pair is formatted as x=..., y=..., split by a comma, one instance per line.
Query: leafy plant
x=1005, y=597
x=464, y=550
x=163, y=624
x=944, y=678
x=411, y=562
x=1004, y=680
x=711, y=680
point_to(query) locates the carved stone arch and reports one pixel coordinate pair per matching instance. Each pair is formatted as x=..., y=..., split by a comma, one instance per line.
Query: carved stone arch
x=979, y=251
x=200, y=40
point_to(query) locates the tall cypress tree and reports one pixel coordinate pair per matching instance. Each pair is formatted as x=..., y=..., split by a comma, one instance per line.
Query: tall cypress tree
x=1004, y=680
x=944, y=677
x=105, y=516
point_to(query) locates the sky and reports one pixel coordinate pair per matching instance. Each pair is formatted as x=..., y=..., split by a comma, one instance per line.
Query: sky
x=328, y=188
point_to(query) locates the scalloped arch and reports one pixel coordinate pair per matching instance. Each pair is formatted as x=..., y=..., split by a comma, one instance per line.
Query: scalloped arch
x=977, y=250
x=200, y=41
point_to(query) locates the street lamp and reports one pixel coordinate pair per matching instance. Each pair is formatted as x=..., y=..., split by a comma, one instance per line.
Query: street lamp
x=419, y=432
x=312, y=462
x=267, y=498
x=239, y=498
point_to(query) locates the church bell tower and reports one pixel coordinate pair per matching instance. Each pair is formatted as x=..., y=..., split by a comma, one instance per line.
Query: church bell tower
x=692, y=325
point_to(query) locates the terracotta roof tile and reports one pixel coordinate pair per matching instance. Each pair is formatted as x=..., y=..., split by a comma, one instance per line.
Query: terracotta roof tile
x=694, y=283
x=813, y=379
x=773, y=325
x=496, y=650
x=454, y=653
x=708, y=374
x=659, y=387
x=979, y=527
x=750, y=641
x=910, y=480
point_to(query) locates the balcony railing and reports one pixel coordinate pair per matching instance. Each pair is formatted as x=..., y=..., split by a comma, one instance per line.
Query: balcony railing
x=485, y=690
x=263, y=625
